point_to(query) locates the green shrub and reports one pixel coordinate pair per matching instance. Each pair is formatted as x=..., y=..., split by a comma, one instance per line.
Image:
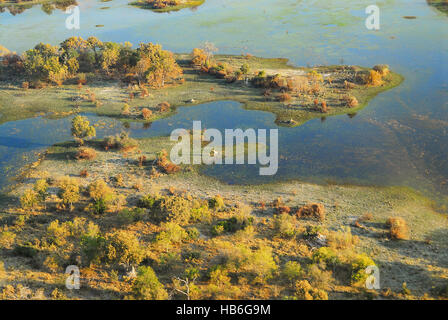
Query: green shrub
x=292, y=270
x=258, y=262
x=29, y=199
x=284, y=225
x=123, y=247
x=192, y=273
x=147, y=287
x=217, y=202
x=26, y=250
x=57, y=233
x=99, y=207
x=69, y=191
x=193, y=234
x=81, y=129
x=172, y=233
x=325, y=255
x=200, y=213
x=7, y=238
x=92, y=248
x=312, y=232
x=100, y=190
x=121, y=142
x=231, y=225
x=128, y=216
x=147, y=202
x=358, y=266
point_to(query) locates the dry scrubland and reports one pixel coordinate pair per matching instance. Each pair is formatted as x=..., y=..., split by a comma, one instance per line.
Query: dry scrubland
x=138, y=232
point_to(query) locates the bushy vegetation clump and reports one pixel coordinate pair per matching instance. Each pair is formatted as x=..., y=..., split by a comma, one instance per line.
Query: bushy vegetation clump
x=81, y=129
x=69, y=191
x=148, y=64
x=313, y=210
x=147, y=286
x=398, y=228
x=122, y=142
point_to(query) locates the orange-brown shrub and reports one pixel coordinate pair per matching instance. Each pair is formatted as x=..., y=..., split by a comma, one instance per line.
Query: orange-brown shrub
x=351, y=101
x=91, y=96
x=82, y=80
x=398, y=228
x=283, y=97
x=283, y=209
x=84, y=173
x=25, y=85
x=312, y=210
x=146, y=113
x=141, y=160
x=166, y=165
x=199, y=57
x=323, y=107
x=143, y=92
x=85, y=154
x=164, y=106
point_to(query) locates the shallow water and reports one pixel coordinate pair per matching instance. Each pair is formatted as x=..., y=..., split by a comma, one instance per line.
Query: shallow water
x=399, y=139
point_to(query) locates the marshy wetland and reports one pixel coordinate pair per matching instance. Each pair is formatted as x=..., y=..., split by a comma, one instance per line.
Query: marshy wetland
x=362, y=175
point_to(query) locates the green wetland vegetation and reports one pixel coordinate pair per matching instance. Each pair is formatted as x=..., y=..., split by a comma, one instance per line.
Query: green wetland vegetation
x=103, y=194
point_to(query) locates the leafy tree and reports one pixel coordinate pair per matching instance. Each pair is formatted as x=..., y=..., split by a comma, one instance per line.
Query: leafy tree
x=69, y=191
x=43, y=63
x=292, y=270
x=157, y=66
x=95, y=44
x=29, y=199
x=123, y=247
x=245, y=68
x=109, y=56
x=81, y=129
x=41, y=188
x=147, y=287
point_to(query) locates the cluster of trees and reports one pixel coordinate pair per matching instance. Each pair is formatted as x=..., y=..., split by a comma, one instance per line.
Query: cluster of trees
x=160, y=4
x=148, y=64
x=19, y=6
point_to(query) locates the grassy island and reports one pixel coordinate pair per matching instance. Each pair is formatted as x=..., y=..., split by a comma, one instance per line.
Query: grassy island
x=441, y=5
x=148, y=83
x=167, y=5
x=19, y=6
